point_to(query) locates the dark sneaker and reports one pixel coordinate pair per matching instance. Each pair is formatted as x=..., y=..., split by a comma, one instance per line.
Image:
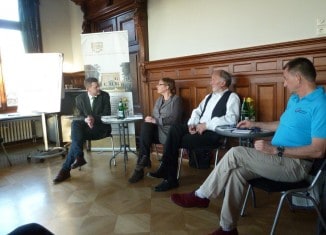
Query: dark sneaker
x=62, y=176
x=136, y=176
x=166, y=185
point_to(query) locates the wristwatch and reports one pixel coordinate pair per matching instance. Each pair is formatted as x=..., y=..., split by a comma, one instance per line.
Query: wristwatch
x=280, y=151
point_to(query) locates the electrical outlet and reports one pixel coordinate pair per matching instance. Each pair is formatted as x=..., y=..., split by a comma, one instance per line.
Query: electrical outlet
x=321, y=30
x=321, y=21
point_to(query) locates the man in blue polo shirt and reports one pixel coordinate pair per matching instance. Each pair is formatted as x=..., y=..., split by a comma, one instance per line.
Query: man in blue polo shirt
x=300, y=137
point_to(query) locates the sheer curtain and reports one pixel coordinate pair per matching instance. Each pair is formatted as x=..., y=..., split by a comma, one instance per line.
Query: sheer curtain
x=31, y=28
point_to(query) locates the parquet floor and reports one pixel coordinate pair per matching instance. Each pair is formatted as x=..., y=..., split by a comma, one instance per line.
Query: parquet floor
x=98, y=200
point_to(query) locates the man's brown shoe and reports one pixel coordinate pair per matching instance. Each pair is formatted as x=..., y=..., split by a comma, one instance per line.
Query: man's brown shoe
x=62, y=176
x=220, y=231
x=79, y=162
x=189, y=200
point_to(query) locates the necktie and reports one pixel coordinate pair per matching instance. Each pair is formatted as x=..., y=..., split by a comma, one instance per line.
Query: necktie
x=92, y=102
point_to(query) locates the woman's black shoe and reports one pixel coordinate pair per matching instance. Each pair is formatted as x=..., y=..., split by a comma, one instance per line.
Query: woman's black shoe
x=136, y=176
x=166, y=185
x=159, y=173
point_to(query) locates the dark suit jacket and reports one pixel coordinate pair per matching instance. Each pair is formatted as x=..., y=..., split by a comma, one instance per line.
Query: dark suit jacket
x=101, y=106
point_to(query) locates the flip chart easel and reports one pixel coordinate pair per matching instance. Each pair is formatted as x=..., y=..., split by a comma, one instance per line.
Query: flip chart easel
x=40, y=91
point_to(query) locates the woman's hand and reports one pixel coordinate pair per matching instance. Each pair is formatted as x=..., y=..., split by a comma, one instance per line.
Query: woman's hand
x=150, y=119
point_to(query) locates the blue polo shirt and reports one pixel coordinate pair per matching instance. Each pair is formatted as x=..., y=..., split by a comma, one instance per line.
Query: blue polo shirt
x=302, y=120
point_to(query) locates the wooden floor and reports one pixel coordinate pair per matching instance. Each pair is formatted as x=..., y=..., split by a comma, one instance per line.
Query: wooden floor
x=98, y=200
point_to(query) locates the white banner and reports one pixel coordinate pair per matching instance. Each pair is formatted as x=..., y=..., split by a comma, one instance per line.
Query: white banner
x=106, y=57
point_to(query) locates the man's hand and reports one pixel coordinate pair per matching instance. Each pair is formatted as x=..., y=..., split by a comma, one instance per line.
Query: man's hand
x=192, y=129
x=90, y=121
x=200, y=128
x=245, y=124
x=265, y=147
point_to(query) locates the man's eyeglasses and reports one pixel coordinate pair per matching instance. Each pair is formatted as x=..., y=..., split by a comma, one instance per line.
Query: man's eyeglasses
x=161, y=84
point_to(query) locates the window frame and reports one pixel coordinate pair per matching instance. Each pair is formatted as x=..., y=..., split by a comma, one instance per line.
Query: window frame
x=6, y=24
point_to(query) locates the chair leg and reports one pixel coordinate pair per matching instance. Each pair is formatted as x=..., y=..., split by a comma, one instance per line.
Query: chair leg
x=113, y=152
x=278, y=212
x=6, y=154
x=245, y=201
x=315, y=205
x=88, y=145
x=180, y=162
x=216, y=157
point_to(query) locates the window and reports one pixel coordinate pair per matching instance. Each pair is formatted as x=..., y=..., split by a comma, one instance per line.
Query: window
x=11, y=44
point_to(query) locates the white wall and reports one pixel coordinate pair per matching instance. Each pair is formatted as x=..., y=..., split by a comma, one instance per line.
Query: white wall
x=186, y=27
x=61, y=22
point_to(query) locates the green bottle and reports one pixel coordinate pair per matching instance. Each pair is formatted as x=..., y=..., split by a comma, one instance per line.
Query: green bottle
x=244, y=110
x=121, y=110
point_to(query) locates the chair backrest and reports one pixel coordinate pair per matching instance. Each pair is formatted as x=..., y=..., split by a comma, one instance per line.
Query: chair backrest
x=318, y=165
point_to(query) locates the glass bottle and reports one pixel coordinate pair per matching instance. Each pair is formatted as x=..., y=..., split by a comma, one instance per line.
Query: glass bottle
x=244, y=110
x=121, y=110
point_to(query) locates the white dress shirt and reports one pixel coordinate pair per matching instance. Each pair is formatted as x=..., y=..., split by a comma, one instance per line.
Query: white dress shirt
x=230, y=118
x=91, y=100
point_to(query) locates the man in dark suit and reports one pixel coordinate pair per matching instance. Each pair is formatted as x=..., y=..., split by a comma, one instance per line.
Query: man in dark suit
x=90, y=106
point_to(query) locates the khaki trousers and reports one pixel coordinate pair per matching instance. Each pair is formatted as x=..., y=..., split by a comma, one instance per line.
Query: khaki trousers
x=240, y=164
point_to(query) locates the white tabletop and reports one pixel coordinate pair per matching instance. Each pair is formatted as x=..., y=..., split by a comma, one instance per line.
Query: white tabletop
x=114, y=119
x=11, y=116
x=243, y=133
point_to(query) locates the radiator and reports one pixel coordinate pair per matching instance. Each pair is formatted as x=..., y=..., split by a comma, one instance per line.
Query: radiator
x=16, y=130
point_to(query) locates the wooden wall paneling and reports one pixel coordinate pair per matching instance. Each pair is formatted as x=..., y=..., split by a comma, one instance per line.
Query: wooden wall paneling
x=242, y=86
x=258, y=73
x=242, y=67
x=135, y=79
x=265, y=101
x=154, y=96
x=107, y=25
x=203, y=70
x=126, y=22
x=223, y=67
x=185, y=94
x=185, y=72
x=173, y=73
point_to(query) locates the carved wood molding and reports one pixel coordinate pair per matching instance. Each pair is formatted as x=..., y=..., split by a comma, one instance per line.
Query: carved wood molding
x=103, y=9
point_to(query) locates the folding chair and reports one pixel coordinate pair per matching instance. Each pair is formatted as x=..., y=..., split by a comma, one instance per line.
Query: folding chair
x=299, y=189
x=4, y=151
x=108, y=135
x=221, y=145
